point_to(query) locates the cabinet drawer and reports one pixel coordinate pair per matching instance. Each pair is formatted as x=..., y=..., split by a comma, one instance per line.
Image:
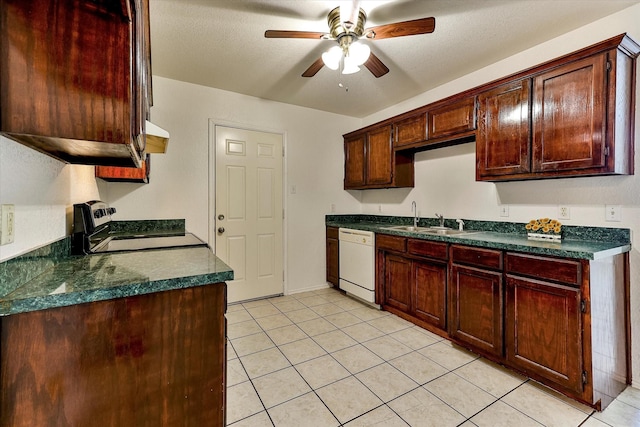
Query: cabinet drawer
x=452, y=119
x=332, y=232
x=392, y=243
x=487, y=258
x=566, y=271
x=427, y=249
x=411, y=130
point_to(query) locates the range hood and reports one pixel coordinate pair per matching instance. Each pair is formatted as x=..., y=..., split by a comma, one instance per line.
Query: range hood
x=157, y=138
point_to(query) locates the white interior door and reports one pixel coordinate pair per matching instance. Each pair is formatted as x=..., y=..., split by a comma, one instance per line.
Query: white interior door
x=249, y=211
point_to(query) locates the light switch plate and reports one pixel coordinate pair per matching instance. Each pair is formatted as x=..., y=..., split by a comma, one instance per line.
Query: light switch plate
x=613, y=213
x=504, y=210
x=7, y=226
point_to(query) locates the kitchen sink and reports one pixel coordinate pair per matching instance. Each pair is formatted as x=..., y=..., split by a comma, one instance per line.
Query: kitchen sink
x=410, y=228
x=439, y=231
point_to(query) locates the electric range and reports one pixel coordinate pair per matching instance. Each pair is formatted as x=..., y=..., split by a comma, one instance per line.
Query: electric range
x=93, y=232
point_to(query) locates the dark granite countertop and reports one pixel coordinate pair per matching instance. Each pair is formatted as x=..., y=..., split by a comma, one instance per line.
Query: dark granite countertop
x=50, y=277
x=577, y=242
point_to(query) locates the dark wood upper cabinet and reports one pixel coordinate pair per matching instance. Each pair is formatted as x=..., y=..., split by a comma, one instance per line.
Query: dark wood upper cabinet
x=410, y=130
x=503, y=144
x=371, y=162
x=354, y=163
x=452, y=119
x=579, y=111
x=76, y=87
x=122, y=174
x=378, y=155
x=569, y=116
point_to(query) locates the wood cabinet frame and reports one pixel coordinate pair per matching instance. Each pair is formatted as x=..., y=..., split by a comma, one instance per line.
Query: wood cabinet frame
x=590, y=328
x=371, y=162
x=527, y=148
x=79, y=90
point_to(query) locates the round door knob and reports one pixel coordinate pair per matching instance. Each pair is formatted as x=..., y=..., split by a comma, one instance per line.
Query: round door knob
x=220, y=217
x=220, y=230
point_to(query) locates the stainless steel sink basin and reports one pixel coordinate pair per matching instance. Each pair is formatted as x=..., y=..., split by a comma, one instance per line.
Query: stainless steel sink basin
x=440, y=231
x=410, y=228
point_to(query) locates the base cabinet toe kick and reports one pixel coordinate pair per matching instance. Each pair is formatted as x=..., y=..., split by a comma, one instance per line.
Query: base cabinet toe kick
x=563, y=322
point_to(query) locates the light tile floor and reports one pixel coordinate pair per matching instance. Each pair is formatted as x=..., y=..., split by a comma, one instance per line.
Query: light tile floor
x=323, y=359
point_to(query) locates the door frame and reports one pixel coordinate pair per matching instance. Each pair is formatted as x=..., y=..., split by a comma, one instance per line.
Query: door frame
x=211, y=184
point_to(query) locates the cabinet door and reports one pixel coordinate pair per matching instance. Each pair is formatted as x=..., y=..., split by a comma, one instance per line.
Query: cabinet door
x=475, y=310
x=378, y=156
x=410, y=130
x=502, y=141
x=569, y=108
x=397, y=282
x=354, y=162
x=122, y=174
x=543, y=330
x=333, y=275
x=429, y=292
x=452, y=119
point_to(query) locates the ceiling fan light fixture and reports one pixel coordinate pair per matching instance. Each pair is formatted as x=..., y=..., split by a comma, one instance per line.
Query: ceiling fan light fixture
x=332, y=57
x=350, y=66
x=359, y=52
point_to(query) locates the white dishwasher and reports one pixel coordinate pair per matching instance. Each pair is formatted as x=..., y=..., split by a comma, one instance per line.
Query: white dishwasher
x=357, y=263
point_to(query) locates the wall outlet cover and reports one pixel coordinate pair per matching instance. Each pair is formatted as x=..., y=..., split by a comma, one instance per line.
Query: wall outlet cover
x=564, y=212
x=504, y=210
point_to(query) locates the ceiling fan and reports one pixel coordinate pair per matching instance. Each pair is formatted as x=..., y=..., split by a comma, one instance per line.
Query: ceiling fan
x=346, y=27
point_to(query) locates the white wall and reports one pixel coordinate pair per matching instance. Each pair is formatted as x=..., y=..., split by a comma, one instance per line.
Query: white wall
x=445, y=178
x=43, y=191
x=180, y=180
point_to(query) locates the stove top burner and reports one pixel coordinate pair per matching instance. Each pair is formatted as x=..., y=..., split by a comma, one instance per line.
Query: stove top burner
x=118, y=244
x=92, y=233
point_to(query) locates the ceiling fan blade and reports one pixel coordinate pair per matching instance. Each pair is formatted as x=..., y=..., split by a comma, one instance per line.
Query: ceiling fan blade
x=314, y=68
x=376, y=66
x=400, y=29
x=284, y=34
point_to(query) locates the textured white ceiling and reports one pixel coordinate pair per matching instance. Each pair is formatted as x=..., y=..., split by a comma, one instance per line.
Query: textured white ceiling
x=221, y=44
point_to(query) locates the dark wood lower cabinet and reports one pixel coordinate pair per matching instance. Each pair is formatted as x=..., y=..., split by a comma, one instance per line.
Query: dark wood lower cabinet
x=563, y=322
x=150, y=360
x=430, y=292
x=544, y=331
x=475, y=313
x=398, y=282
x=333, y=256
x=413, y=276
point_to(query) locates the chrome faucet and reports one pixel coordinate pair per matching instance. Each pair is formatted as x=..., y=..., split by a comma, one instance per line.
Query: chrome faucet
x=414, y=208
x=441, y=219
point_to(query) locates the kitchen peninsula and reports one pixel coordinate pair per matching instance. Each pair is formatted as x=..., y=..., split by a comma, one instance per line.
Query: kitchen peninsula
x=557, y=312
x=117, y=339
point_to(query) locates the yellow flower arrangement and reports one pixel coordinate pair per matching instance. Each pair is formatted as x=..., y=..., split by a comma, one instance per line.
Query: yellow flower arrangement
x=544, y=225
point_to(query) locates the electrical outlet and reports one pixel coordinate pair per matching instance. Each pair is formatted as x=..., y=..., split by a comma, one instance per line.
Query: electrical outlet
x=333, y=207
x=379, y=208
x=564, y=212
x=7, y=224
x=504, y=210
x=613, y=213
